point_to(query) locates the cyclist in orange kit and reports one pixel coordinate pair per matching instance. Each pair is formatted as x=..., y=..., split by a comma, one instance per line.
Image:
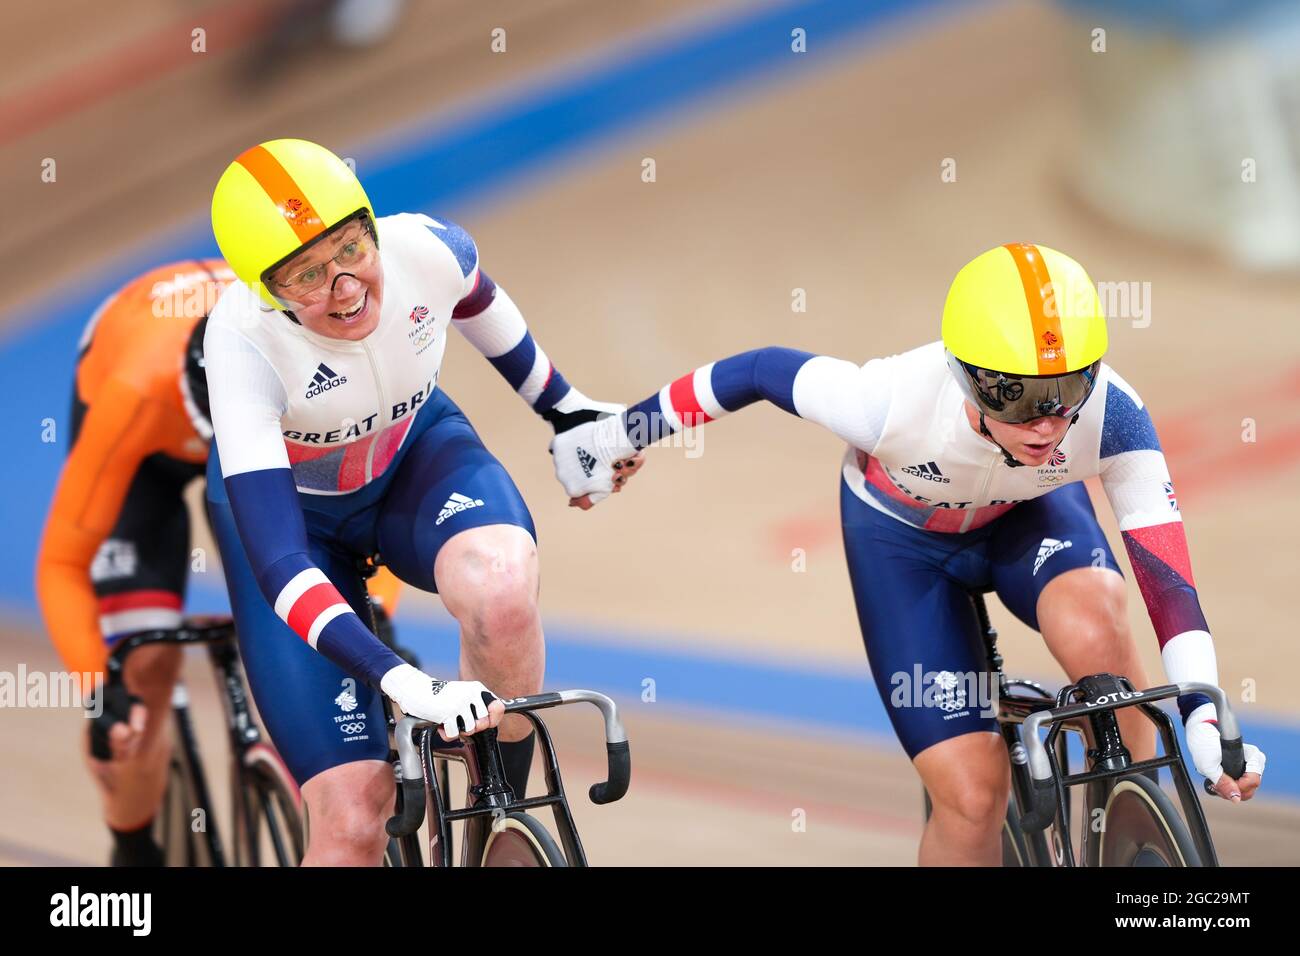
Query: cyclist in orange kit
x=116, y=547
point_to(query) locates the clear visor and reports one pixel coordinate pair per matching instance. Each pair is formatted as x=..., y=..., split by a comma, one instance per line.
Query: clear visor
x=1018, y=399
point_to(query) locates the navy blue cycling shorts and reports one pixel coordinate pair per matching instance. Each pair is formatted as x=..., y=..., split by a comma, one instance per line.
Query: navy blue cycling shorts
x=912, y=588
x=443, y=481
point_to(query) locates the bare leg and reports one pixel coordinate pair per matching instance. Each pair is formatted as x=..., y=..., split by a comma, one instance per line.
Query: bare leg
x=969, y=780
x=488, y=580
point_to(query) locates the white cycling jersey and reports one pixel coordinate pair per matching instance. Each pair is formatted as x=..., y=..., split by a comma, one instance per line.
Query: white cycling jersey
x=336, y=411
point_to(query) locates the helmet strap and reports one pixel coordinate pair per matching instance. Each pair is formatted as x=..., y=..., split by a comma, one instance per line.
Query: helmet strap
x=1006, y=455
x=1011, y=462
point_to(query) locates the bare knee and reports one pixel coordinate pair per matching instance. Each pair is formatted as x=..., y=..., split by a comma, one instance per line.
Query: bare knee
x=968, y=779
x=978, y=805
x=347, y=806
x=1084, y=614
x=491, y=584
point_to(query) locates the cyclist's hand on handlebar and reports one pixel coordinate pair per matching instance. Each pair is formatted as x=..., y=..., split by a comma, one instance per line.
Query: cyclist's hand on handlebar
x=1244, y=787
x=460, y=706
x=1207, y=756
x=118, y=723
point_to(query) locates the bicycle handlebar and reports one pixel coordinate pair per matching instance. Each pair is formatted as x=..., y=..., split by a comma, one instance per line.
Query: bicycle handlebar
x=192, y=631
x=618, y=756
x=617, y=751
x=1043, y=796
x=114, y=703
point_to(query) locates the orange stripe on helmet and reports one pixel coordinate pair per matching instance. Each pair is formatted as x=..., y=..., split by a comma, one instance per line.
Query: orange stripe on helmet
x=1044, y=308
x=287, y=195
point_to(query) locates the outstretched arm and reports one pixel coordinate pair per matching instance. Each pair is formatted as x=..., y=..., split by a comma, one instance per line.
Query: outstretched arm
x=847, y=399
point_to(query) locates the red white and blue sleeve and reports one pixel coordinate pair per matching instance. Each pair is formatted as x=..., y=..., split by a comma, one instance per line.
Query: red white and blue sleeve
x=248, y=400
x=850, y=400
x=493, y=324
x=1136, y=479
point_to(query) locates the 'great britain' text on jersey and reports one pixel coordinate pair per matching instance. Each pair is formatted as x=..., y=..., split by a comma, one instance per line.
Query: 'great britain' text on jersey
x=355, y=430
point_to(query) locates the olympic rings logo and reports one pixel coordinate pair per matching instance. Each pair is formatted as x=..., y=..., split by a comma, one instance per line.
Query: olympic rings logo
x=353, y=727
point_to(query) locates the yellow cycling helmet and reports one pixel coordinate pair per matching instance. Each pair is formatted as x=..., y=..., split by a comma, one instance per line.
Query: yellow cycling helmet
x=278, y=198
x=1024, y=333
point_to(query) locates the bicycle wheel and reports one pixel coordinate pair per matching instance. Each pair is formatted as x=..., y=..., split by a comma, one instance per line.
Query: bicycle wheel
x=1142, y=828
x=1014, y=850
x=520, y=840
x=268, y=825
x=173, y=826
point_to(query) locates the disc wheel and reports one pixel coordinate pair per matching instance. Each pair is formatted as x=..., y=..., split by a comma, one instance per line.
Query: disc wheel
x=1142, y=828
x=520, y=840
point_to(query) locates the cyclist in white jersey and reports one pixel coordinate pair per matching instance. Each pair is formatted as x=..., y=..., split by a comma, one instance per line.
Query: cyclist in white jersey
x=335, y=443
x=964, y=473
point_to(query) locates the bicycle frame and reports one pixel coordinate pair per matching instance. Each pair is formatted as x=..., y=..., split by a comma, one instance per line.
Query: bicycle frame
x=1094, y=716
x=242, y=729
x=1033, y=762
x=488, y=796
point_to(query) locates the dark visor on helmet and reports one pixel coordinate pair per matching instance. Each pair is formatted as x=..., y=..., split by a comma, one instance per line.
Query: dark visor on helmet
x=1016, y=399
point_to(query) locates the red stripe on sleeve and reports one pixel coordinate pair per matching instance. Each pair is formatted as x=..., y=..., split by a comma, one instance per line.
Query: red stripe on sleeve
x=682, y=395
x=1168, y=542
x=307, y=608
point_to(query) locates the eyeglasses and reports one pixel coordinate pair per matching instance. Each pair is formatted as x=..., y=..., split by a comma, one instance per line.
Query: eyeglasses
x=355, y=250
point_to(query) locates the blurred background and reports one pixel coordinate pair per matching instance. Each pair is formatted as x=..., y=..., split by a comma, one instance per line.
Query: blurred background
x=655, y=183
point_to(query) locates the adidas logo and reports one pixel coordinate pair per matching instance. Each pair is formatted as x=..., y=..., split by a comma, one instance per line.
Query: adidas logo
x=455, y=505
x=586, y=460
x=1048, y=548
x=929, y=471
x=324, y=379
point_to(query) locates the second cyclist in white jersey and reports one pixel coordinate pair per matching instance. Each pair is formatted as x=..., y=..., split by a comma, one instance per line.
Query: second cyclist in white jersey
x=964, y=473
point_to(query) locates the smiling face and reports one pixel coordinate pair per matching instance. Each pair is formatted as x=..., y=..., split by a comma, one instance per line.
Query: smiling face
x=1031, y=443
x=336, y=287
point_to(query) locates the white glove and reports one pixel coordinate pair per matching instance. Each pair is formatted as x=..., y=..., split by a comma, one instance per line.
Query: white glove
x=1204, y=742
x=575, y=402
x=585, y=456
x=428, y=698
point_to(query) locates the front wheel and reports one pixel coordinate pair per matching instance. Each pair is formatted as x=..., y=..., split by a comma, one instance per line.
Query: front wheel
x=520, y=840
x=176, y=828
x=1142, y=828
x=269, y=828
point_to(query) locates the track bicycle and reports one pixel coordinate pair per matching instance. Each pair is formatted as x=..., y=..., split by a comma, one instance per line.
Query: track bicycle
x=498, y=831
x=1127, y=819
x=266, y=806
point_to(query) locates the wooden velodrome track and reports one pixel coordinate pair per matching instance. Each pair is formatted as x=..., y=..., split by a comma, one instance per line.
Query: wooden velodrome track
x=822, y=176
